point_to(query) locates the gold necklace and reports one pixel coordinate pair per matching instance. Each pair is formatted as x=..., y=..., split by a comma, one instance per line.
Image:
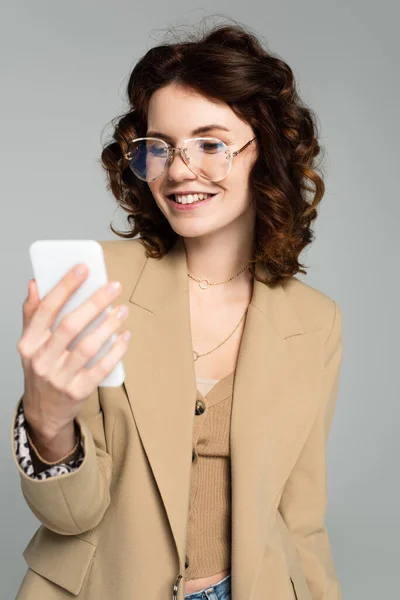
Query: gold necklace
x=196, y=354
x=208, y=282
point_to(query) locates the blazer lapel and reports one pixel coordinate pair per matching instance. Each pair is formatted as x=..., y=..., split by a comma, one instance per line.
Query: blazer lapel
x=276, y=388
x=160, y=380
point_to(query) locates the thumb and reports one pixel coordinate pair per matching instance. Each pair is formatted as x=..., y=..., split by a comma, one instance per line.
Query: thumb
x=33, y=295
x=31, y=303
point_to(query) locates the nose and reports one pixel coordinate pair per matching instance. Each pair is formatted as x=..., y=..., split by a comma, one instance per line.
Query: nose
x=178, y=169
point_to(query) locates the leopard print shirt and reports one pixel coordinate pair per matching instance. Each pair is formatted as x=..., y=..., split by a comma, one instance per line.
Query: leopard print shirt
x=23, y=453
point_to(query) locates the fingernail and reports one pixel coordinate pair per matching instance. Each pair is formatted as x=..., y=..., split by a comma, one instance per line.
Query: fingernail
x=80, y=270
x=122, y=312
x=113, y=287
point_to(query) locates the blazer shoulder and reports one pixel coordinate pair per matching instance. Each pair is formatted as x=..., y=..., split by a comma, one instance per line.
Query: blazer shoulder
x=315, y=309
x=124, y=259
x=116, y=248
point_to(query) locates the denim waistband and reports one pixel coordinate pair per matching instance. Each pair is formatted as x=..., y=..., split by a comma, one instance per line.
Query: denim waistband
x=217, y=591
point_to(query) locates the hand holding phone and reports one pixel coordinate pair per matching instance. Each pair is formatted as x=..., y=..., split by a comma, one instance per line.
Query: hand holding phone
x=66, y=344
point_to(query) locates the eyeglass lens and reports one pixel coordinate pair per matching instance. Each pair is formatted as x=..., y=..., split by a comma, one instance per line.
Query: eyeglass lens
x=207, y=158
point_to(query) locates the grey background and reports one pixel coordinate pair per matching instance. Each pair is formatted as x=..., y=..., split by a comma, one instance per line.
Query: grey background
x=64, y=67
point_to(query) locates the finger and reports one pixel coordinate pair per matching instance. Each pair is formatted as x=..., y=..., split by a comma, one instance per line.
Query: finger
x=30, y=304
x=88, y=379
x=90, y=345
x=43, y=315
x=33, y=291
x=79, y=318
x=49, y=351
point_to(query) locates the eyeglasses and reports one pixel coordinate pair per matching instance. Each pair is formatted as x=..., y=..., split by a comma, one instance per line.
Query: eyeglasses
x=207, y=157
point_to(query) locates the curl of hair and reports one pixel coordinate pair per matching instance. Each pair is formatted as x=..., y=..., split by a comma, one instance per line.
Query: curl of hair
x=228, y=63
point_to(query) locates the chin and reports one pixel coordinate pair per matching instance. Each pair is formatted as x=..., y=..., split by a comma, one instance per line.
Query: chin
x=190, y=231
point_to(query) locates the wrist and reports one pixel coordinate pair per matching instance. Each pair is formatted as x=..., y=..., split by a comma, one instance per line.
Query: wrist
x=51, y=448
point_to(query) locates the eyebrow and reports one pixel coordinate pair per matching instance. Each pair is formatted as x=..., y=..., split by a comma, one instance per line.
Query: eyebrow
x=201, y=129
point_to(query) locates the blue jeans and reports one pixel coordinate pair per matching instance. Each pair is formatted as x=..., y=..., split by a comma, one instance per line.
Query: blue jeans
x=218, y=591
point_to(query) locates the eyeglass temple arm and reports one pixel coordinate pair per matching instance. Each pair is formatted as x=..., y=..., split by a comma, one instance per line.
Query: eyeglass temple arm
x=242, y=148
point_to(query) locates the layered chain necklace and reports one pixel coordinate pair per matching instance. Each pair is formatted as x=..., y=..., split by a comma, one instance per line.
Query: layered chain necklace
x=204, y=284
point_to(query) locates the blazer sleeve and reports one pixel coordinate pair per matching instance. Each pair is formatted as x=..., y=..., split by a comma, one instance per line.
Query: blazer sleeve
x=74, y=502
x=304, y=499
x=31, y=462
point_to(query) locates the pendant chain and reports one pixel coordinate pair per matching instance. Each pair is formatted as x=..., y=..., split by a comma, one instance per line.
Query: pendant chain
x=208, y=282
x=196, y=355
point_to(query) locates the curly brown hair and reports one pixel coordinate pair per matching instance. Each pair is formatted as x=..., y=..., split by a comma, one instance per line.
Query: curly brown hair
x=228, y=63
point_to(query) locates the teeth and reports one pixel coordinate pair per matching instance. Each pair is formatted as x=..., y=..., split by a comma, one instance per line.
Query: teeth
x=190, y=198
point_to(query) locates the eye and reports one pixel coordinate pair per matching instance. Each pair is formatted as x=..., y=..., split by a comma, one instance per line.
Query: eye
x=211, y=147
x=158, y=150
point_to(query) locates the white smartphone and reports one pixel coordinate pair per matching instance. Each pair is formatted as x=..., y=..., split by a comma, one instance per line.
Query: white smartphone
x=50, y=260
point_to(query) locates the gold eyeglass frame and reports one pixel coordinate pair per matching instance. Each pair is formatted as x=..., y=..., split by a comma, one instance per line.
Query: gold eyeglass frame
x=182, y=150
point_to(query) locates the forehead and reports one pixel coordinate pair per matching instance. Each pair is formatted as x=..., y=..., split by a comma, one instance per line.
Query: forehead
x=177, y=111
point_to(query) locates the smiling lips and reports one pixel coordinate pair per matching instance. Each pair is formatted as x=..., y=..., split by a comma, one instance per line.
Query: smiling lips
x=189, y=198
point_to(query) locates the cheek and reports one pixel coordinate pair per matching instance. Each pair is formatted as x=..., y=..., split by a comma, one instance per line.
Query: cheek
x=237, y=185
x=238, y=193
x=239, y=174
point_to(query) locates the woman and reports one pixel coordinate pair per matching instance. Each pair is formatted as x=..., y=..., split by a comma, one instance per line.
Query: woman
x=204, y=474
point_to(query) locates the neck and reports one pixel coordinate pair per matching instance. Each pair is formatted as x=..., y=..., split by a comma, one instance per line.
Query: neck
x=218, y=257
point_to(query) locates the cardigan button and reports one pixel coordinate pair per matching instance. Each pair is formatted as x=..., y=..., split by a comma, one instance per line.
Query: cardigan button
x=186, y=561
x=200, y=408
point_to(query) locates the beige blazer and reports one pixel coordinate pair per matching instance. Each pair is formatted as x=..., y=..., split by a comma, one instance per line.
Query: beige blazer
x=115, y=529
